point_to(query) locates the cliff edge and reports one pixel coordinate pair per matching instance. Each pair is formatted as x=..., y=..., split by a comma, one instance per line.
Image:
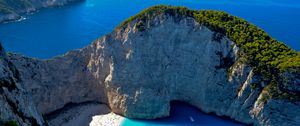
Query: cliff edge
x=214, y=61
x=16, y=104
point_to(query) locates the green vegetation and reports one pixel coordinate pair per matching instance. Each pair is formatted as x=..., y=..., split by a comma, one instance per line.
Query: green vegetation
x=261, y=50
x=142, y=16
x=273, y=91
x=5, y=10
x=12, y=6
x=268, y=56
x=11, y=123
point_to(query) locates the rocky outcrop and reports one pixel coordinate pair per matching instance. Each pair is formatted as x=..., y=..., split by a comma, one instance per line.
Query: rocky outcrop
x=140, y=68
x=11, y=10
x=291, y=81
x=55, y=83
x=9, y=17
x=16, y=104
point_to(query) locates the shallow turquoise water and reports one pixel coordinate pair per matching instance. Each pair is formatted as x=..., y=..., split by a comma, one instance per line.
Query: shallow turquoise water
x=52, y=32
x=181, y=114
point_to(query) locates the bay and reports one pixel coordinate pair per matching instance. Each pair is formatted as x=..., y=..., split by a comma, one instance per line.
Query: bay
x=55, y=31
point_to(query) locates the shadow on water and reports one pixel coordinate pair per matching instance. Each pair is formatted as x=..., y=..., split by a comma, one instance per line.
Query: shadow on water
x=182, y=114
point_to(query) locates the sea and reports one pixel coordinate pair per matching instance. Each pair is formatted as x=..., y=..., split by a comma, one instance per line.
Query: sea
x=54, y=31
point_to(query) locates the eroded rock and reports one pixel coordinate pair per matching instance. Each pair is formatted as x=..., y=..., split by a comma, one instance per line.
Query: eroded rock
x=139, y=69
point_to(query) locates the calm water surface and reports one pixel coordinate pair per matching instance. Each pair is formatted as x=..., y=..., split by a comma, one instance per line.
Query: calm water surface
x=52, y=32
x=182, y=114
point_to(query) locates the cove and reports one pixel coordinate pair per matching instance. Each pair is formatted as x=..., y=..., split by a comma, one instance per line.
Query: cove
x=182, y=114
x=55, y=31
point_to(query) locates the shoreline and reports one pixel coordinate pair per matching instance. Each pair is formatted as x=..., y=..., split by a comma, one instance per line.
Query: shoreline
x=9, y=18
x=99, y=114
x=19, y=16
x=90, y=113
x=182, y=113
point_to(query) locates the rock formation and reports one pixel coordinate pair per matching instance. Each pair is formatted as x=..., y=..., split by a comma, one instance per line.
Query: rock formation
x=11, y=10
x=146, y=63
x=16, y=104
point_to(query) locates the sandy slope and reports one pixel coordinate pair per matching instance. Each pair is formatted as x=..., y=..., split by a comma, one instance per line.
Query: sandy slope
x=89, y=114
x=110, y=119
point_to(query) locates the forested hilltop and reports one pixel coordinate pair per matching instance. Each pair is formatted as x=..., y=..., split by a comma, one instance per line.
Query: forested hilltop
x=269, y=57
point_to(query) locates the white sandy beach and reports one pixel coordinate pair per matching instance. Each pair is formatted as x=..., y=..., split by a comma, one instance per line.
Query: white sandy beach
x=110, y=119
x=90, y=114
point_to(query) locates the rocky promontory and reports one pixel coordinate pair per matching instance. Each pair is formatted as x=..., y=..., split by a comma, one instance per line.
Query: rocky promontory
x=11, y=10
x=16, y=103
x=209, y=59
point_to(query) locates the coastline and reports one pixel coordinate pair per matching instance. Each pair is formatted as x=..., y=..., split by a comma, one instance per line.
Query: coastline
x=7, y=18
x=98, y=114
x=93, y=114
x=17, y=19
x=182, y=113
x=110, y=119
x=21, y=14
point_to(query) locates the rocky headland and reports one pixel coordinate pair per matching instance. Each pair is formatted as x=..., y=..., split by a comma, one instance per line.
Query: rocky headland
x=209, y=59
x=11, y=10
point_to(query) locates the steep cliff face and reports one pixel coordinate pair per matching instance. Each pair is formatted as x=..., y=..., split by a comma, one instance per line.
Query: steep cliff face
x=55, y=83
x=16, y=104
x=172, y=60
x=11, y=10
x=141, y=67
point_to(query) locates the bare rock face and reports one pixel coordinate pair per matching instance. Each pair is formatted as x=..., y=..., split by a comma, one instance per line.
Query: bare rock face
x=291, y=81
x=16, y=104
x=55, y=83
x=278, y=113
x=174, y=60
x=138, y=70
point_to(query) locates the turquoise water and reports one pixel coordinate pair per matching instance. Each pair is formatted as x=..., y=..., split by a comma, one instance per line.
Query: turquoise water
x=52, y=32
x=181, y=114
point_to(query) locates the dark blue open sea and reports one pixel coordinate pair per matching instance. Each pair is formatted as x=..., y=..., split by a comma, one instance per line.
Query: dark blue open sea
x=53, y=32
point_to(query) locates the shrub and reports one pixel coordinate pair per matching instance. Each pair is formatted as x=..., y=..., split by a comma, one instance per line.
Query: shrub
x=11, y=123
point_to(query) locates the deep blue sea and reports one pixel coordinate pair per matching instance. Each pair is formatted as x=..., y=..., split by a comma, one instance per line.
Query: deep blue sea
x=54, y=31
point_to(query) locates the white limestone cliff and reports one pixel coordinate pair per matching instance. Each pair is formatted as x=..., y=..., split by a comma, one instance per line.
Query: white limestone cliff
x=16, y=104
x=138, y=70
